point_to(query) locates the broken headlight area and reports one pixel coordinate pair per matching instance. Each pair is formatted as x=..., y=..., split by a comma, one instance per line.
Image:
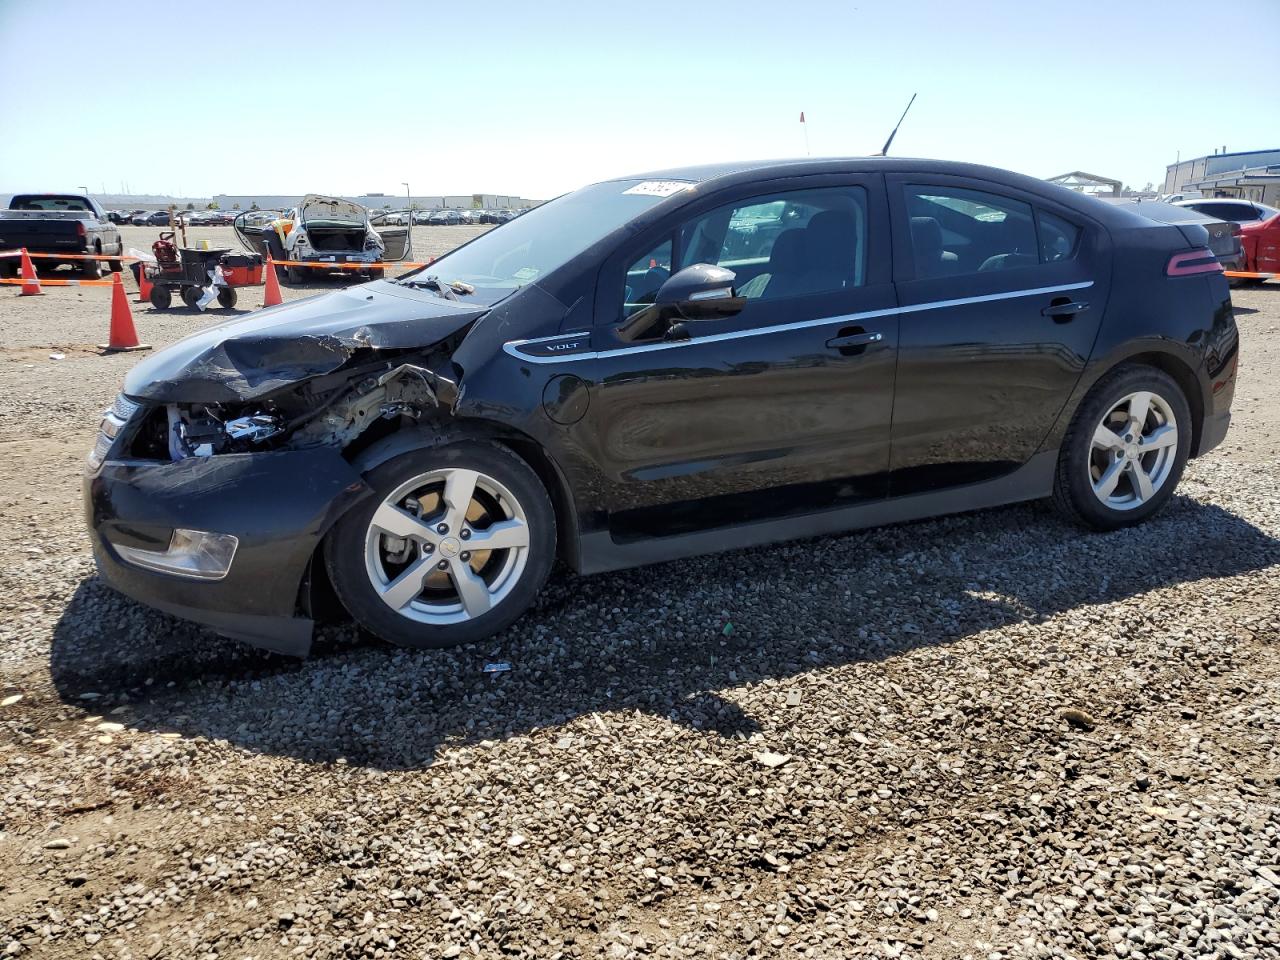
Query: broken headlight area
x=207, y=429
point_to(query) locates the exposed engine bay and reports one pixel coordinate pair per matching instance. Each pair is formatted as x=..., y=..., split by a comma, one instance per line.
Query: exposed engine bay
x=332, y=410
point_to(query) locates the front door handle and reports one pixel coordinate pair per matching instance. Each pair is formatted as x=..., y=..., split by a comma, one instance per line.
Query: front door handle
x=1062, y=309
x=855, y=342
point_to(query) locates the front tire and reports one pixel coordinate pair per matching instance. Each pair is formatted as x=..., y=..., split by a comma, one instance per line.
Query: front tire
x=452, y=548
x=1125, y=450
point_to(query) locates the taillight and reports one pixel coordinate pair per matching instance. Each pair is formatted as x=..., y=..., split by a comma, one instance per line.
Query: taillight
x=1191, y=262
x=80, y=227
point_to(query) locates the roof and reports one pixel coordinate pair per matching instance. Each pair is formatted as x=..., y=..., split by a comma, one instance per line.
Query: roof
x=718, y=175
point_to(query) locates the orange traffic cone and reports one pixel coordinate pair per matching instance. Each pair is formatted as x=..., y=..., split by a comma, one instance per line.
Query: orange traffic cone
x=144, y=283
x=271, y=295
x=122, y=336
x=30, y=282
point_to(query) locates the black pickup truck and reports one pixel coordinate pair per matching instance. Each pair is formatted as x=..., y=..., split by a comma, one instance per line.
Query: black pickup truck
x=59, y=223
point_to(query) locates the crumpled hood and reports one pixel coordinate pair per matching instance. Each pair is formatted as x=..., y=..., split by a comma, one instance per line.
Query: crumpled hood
x=253, y=355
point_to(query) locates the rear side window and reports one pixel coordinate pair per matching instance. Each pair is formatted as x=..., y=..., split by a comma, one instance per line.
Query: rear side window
x=1057, y=237
x=955, y=231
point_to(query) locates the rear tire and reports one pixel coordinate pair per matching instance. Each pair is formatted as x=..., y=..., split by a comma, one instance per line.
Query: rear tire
x=190, y=295
x=296, y=274
x=92, y=269
x=444, y=501
x=161, y=298
x=1125, y=451
x=227, y=297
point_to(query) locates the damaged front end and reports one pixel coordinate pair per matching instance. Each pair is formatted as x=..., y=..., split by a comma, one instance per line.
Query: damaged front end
x=227, y=458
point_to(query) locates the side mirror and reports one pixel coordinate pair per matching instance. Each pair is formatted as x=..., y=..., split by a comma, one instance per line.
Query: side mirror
x=701, y=291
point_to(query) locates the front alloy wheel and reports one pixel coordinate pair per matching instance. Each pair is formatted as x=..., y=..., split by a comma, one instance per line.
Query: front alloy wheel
x=453, y=546
x=447, y=546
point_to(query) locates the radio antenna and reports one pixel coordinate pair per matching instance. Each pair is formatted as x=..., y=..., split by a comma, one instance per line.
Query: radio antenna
x=884, y=152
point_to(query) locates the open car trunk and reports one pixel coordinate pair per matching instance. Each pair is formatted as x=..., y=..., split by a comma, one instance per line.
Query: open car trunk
x=337, y=239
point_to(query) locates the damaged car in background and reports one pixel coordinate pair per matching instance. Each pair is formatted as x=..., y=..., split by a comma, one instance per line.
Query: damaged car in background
x=626, y=375
x=319, y=232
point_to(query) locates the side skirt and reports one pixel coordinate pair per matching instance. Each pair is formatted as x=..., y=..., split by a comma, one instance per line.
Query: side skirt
x=1032, y=481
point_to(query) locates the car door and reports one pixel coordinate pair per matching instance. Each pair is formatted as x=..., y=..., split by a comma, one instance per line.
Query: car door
x=1001, y=295
x=783, y=408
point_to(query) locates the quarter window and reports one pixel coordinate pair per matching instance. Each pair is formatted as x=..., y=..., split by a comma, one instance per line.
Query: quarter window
x=644, y=277
x=956, y=231
x=1057, y=237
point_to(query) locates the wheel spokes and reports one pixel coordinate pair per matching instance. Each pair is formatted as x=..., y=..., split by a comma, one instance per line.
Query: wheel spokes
x=1139, y=406
x=472, y=590
x=399, y=523
x=1106, y=484
x=1163, y=436
x=1107, y=439
x=1142, y=487
x=406, y=587
x=503, y=535
x=459, y=488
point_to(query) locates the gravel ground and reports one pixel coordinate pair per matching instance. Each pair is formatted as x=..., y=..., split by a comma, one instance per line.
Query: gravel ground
x=985, y=736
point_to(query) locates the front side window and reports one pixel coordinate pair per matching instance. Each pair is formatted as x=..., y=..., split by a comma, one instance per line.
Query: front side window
x=784, y=245
x=954, y=231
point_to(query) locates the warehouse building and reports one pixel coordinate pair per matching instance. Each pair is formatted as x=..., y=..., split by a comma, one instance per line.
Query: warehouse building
x=1249, y=175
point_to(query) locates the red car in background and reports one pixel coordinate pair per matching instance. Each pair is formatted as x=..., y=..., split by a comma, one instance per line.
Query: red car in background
x=1260, y=241
x=1259, y=230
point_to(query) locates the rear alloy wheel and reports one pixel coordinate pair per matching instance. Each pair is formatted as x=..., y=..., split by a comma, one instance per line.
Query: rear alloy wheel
x=453, y=548
x=1126, y=449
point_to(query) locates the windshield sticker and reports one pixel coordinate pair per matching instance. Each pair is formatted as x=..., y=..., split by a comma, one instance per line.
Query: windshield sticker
x=526, y=273
x=658, y=188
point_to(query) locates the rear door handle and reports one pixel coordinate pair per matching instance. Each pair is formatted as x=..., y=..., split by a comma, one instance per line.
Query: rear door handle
x=1062, y=309
x=852, y=342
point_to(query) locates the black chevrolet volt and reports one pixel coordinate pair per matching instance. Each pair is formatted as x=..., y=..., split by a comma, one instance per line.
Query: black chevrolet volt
x=659, y=366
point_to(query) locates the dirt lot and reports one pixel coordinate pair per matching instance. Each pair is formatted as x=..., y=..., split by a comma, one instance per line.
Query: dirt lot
x=858, y=746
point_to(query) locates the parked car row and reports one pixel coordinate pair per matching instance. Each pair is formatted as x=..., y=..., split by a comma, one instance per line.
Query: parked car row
x=161, y=218
x=438, y=218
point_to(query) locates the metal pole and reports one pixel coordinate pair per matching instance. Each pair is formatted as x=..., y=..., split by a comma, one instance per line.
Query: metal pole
x=408, y=252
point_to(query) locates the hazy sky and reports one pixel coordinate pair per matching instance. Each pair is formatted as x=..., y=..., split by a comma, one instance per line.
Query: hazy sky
x=538, y=98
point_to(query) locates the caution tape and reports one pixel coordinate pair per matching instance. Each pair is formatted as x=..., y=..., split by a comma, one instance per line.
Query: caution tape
x=351, y=265
x=1243, y=275
x=14, y=281
x=68, y=256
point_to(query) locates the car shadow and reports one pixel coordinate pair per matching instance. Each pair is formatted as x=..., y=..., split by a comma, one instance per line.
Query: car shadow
x=674, y=640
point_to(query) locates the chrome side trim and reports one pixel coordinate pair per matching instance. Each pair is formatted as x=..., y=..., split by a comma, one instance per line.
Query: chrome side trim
x=511, y=346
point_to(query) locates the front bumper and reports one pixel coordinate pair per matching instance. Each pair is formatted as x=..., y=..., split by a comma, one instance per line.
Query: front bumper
x=278, y=504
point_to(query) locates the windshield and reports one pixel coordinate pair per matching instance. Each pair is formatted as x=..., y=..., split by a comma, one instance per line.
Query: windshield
x=534, y=244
